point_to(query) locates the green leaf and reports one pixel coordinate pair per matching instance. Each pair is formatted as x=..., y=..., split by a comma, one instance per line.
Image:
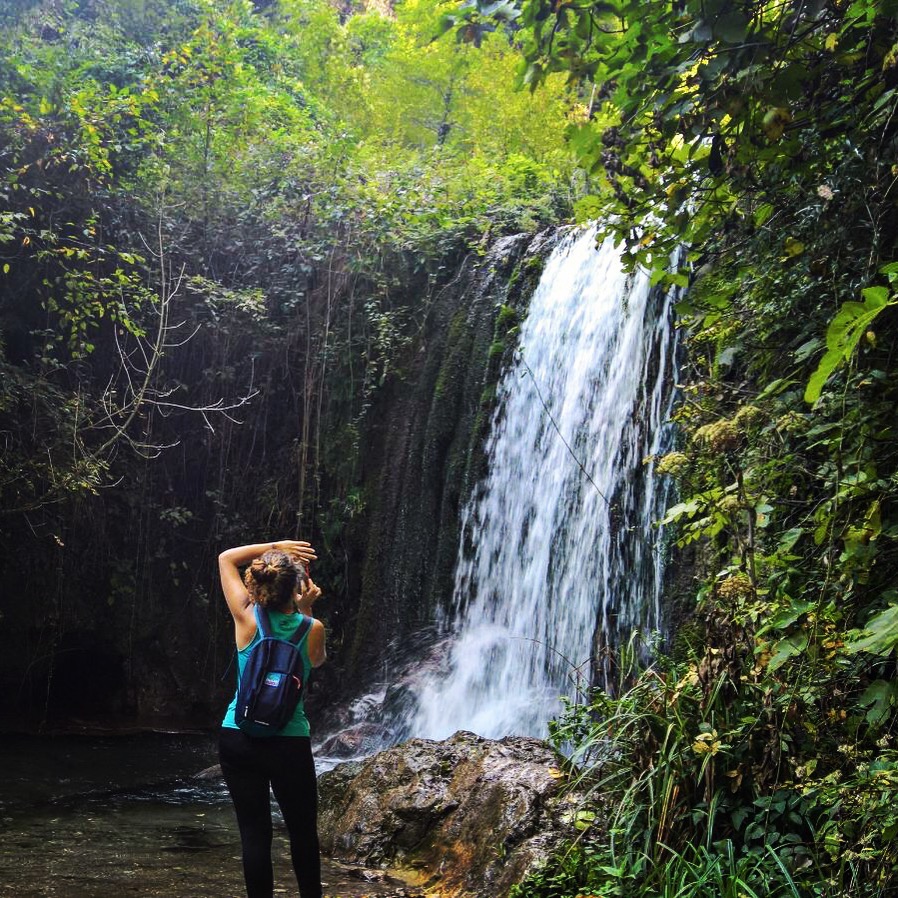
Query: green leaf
x=844, y=333
x=807, y=349
x=878, y=698
x=503, y=11
x=588, y=208
x=732, y=27
x=763, y=212
x=763, y=512
x=701, y=33
x=675, y=512
x=787, y=648
x=775, y=387
x=881, y=634
x=738, y=816
x=789, y=538
x=827, y=365
x=793, y=247
x=787, y=616
x=875, y=297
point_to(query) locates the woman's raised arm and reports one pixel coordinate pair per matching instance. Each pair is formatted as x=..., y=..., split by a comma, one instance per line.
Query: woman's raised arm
x=229, y=563
x=309, y=593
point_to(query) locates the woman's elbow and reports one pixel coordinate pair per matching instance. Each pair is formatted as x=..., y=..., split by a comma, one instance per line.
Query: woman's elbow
x=224, y=557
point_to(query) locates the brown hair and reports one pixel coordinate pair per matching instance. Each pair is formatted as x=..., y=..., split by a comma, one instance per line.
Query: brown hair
x=272, y=580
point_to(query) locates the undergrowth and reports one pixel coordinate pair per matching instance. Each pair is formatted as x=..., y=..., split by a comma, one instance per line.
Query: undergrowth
x=702, y=778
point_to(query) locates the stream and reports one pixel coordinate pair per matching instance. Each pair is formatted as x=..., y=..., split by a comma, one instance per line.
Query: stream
x=97, y=817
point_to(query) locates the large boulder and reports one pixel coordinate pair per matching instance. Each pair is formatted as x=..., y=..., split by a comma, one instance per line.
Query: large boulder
x=473, y=815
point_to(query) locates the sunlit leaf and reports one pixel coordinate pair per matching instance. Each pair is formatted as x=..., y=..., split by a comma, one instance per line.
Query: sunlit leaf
x=844, y=333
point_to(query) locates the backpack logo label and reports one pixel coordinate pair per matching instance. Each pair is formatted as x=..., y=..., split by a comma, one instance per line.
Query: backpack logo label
x=272, y=679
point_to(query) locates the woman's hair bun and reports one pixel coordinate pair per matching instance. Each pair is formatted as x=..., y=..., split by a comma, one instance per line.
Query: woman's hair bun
x=263, y=571
x=272, y=579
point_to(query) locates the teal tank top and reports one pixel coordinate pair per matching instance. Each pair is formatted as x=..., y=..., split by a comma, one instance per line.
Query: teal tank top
x=283, y=625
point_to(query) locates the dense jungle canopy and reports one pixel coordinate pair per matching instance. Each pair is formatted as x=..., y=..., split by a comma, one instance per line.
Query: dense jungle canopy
x=227, y=231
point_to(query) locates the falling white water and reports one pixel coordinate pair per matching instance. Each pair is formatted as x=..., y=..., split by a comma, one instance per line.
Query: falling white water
x=560, y=553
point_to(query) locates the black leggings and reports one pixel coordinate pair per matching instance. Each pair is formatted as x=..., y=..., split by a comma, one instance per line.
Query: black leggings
x=285, y=763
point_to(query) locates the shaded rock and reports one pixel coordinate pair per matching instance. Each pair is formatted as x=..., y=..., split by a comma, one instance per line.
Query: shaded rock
x=474, y=814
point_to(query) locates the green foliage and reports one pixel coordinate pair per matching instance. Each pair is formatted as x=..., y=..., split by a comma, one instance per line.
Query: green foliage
x=693, y=106
x=223, y=225
x=793, y=509
x=241, y=149
x=847, y=328
x=762, y=138
x=880, y=634
x=694, y=787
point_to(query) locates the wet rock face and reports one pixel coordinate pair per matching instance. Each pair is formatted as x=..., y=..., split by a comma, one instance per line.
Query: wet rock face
x=359, y=739
x=474, y=814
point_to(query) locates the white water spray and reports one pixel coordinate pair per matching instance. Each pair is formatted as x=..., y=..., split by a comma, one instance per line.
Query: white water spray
x=560, y=553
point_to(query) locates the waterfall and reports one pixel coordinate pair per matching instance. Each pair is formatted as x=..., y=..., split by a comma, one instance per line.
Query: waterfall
x=560, y=553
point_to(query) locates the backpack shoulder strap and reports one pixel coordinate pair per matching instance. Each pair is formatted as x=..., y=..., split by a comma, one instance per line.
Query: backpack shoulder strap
x=301, y=630
x=263, y=621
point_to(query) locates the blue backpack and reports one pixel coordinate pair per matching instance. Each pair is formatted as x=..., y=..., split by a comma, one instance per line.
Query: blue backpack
x=272, y=681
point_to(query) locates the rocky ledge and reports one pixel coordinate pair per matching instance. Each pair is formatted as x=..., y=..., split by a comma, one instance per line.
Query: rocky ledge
x=471, y=815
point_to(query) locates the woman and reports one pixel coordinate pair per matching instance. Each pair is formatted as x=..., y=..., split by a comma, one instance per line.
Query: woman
x=276, y=580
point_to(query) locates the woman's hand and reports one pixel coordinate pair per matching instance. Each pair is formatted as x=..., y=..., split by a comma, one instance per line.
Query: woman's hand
x=309, y=593
x=300, y=552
